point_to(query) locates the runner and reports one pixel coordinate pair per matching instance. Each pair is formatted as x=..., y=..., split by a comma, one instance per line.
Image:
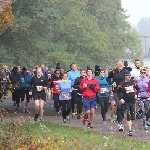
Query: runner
x=65, y=89
x=38, y=87
x=89, y=87
x=144, y=101
x=79, y=93
x=54, y=87
x=72, y=75
x=117, y=76
x=24, y=79
x=103, y=94
x=128, y=97
x=135, y=73
x=16, y=85
x=127, y=67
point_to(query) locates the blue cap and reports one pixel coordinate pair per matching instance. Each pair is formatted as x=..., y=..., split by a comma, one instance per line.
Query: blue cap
x=126, y=72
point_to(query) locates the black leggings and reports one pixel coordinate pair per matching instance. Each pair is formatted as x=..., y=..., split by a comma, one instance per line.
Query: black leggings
x=79, y=104
x=66, y=107
x=16, y=96
x=56, y=102
x=25, y=92
x=74, y=99
x=130, y=110
x=103, y=101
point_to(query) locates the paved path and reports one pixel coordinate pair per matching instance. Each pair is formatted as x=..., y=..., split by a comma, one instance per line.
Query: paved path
x=50, y=115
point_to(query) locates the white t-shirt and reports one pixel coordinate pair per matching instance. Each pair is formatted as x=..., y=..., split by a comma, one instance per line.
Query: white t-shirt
x=135, y=73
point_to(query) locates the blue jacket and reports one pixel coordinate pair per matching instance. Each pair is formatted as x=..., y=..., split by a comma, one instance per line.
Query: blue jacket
x=103, y=85
x=65, y=88
x=27, y=78
x=72, y=75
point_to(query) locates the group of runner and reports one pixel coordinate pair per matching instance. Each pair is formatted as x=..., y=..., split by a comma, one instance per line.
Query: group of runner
x=125, y=89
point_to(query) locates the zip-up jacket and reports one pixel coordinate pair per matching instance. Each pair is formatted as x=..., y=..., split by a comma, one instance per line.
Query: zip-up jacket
x=24, y=80
x=77, y=84
x=104, y=86
x=115, y=78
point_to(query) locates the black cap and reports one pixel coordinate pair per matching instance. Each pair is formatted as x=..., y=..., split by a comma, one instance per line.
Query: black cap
x=24, y=69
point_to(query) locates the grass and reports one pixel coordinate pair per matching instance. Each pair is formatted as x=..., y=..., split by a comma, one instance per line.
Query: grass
x=49, y=136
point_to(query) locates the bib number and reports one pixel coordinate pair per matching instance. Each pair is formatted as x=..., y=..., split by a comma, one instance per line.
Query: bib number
x=39, y=88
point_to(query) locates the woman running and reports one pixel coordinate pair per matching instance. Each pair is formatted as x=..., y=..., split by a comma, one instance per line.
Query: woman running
x=54, y=87
x=65, y=89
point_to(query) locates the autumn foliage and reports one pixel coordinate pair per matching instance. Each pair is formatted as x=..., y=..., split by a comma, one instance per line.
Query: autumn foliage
x=6, y=18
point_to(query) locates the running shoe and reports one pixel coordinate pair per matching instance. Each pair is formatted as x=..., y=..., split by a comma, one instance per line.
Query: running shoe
x=64, y=121
x=130, y=133
x=104, y=122
x=84, y=121
x=145, y=127
x=57, y=114
x=36, y=117
x=112, y=119
x=67, y=118
x=73, y=115
x=147, y=123
x=89, y=126
x=120, y=127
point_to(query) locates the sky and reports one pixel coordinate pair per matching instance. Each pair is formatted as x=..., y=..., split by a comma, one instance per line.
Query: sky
x=136, y=9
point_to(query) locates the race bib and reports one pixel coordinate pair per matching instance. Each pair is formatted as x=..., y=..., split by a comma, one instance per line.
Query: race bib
x=4, y=78
x=39, y=88
x=103, y=90
x=65, y=96
x=129, y=89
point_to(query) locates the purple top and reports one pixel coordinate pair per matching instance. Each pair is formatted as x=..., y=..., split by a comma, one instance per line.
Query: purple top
x=143, y=85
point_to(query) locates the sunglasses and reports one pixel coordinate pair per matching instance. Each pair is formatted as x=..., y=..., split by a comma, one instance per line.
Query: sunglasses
x=143, y=72
x=127, y=74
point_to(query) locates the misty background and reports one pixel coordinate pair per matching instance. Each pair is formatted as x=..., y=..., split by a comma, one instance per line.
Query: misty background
x=139, y=17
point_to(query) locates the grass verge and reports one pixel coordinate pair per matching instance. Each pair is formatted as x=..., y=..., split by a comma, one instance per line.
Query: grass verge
x=49, y=136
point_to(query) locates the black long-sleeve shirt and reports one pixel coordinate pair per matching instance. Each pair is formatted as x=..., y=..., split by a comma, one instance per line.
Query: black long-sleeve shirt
x=77, y=83
x=128, y=90
x=115, y=77
x=37, y=84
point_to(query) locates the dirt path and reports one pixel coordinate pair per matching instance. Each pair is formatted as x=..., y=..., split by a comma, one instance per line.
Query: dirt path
x=50, y=115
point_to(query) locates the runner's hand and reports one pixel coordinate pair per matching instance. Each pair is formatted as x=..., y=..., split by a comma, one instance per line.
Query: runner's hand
x=135, y=96
x=45, y=88
x=30, y=93
x=84, y=85
x=122, y=101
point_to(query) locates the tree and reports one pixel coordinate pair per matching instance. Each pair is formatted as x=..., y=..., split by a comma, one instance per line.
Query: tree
x=86, y=32
x=6, y=18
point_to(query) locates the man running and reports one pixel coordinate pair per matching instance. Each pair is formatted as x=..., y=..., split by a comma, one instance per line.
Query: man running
x=117, y=76
x=72, y=75
x=128, y=98
x=89, y=87
x=79, y=93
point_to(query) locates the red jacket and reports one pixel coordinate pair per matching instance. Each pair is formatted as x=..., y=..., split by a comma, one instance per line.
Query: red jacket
x=89, y=92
